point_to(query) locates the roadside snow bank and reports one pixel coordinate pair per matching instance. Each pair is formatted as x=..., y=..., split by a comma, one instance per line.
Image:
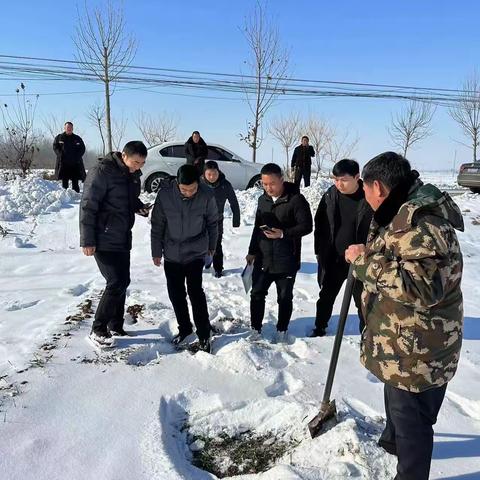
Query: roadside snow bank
x=23, y=197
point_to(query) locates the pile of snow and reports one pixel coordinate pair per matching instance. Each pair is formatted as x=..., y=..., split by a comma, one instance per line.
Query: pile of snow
x=23, y=197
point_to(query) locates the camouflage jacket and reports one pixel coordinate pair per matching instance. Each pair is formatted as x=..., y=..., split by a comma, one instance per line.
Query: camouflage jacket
x=412, y=302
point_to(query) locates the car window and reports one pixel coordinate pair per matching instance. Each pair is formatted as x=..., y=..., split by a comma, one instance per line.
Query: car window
x=178, y=151
x=165, y=152
x=219, y=154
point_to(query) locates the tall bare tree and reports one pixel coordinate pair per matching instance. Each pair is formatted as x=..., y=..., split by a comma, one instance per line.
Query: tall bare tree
x=96, y=117
x=466, y=112
x=119, y=127
x=104, y=49
x=286, y=129
x=157, y=129
x=411, y=125
x=268, y=68
x=319, y=132
x=341, y=145
x=19, y=136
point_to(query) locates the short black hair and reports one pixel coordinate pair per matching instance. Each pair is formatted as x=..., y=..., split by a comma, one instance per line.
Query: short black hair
x=389, y=168
x=196, y=132
x=305, y=137
x=187, y=174
x=346, y=167
x=211, y=165
x=135, y=147
x=271, y=169
x=68, y=123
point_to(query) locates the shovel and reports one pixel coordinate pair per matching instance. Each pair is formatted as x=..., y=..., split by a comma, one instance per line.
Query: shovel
x=328, y=409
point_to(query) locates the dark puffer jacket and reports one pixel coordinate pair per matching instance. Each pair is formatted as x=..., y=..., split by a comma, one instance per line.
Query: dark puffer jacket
x=302, y=157
x=69, y=150
x=183, y=229
x=223, y=191
x=326, y=222
x=108, y=206
x=196, y=153
x=291, y=213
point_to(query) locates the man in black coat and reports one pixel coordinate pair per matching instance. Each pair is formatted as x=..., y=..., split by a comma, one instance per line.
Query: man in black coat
x=343, y=218
x=107, y=214
x=196, y=151
x=283, y=217
x=223, y=191
x=302, y=162
x=69, y=149
x=184, y=232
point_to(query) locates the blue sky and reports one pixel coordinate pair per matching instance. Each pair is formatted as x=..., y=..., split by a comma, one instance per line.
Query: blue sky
x=429, y=43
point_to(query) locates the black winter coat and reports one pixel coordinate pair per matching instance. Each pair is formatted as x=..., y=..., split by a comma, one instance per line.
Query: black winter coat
x=291, y=213
x=302, y=157
x=69, y=150
x=223, y=191
x=183, y=229
x=196, y=153
x=325, y=223
x=108, y=206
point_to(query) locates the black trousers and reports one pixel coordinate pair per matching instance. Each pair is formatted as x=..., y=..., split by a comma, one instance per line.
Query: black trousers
x=330, y=281
x=409, y=433
x=218, y=257
x=304, y=172
x=177, y=274
x=261, y=282
x=75, y=185
x=115, y=268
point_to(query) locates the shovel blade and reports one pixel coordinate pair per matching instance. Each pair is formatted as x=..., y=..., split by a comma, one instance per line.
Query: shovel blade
x=316, y=425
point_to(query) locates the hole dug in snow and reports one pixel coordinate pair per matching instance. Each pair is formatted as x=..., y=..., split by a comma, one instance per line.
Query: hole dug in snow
x=242, y=453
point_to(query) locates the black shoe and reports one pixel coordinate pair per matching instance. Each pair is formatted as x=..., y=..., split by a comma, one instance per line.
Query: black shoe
x=204, y=345
x=218, y=274
x=318, y=332
x=119, y=332
x=180, y=338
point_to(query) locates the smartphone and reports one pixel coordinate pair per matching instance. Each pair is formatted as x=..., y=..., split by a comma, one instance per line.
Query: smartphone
x=265, y=228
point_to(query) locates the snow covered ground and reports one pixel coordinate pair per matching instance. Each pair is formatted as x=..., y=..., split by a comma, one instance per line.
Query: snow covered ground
x=140, y=410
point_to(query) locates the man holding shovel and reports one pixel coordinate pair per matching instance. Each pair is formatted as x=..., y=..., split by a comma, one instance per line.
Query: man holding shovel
x=411, y=269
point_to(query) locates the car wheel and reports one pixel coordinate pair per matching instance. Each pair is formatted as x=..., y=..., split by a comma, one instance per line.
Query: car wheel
x=255, y=182
x=153, y=182
x=475, y=189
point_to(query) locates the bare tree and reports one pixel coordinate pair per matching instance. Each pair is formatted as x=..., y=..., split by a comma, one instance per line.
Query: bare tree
x=411, y=125
x=19, y=136
x=268, y=67
x=286, y=130
x=319, y=133
x=467, y=112
x=159, y=129
x=339, y=146
x=96, y=117
x=119, y=128
x=104, y=50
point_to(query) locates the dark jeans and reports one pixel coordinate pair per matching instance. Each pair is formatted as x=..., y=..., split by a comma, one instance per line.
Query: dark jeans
x=75, y=185
x=330, y=280
x=409, y=433
x=218, y=257
x=177, y=274
x=261, y=283
x=304, y=172
x=115, y=268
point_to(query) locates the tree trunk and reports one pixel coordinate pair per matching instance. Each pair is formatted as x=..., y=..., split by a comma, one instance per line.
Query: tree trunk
x=107, y=102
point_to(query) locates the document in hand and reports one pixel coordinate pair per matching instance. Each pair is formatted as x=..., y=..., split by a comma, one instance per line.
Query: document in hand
x=247, y=277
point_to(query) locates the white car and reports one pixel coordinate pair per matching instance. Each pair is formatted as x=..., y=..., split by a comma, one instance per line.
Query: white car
x=165, y=159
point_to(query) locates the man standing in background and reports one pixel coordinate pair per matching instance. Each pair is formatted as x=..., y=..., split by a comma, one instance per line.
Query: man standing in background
x=196, y=151
x=302, y=162
x=69, y=149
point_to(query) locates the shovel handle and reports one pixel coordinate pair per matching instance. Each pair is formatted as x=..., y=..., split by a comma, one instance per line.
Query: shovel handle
x=347, y=297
